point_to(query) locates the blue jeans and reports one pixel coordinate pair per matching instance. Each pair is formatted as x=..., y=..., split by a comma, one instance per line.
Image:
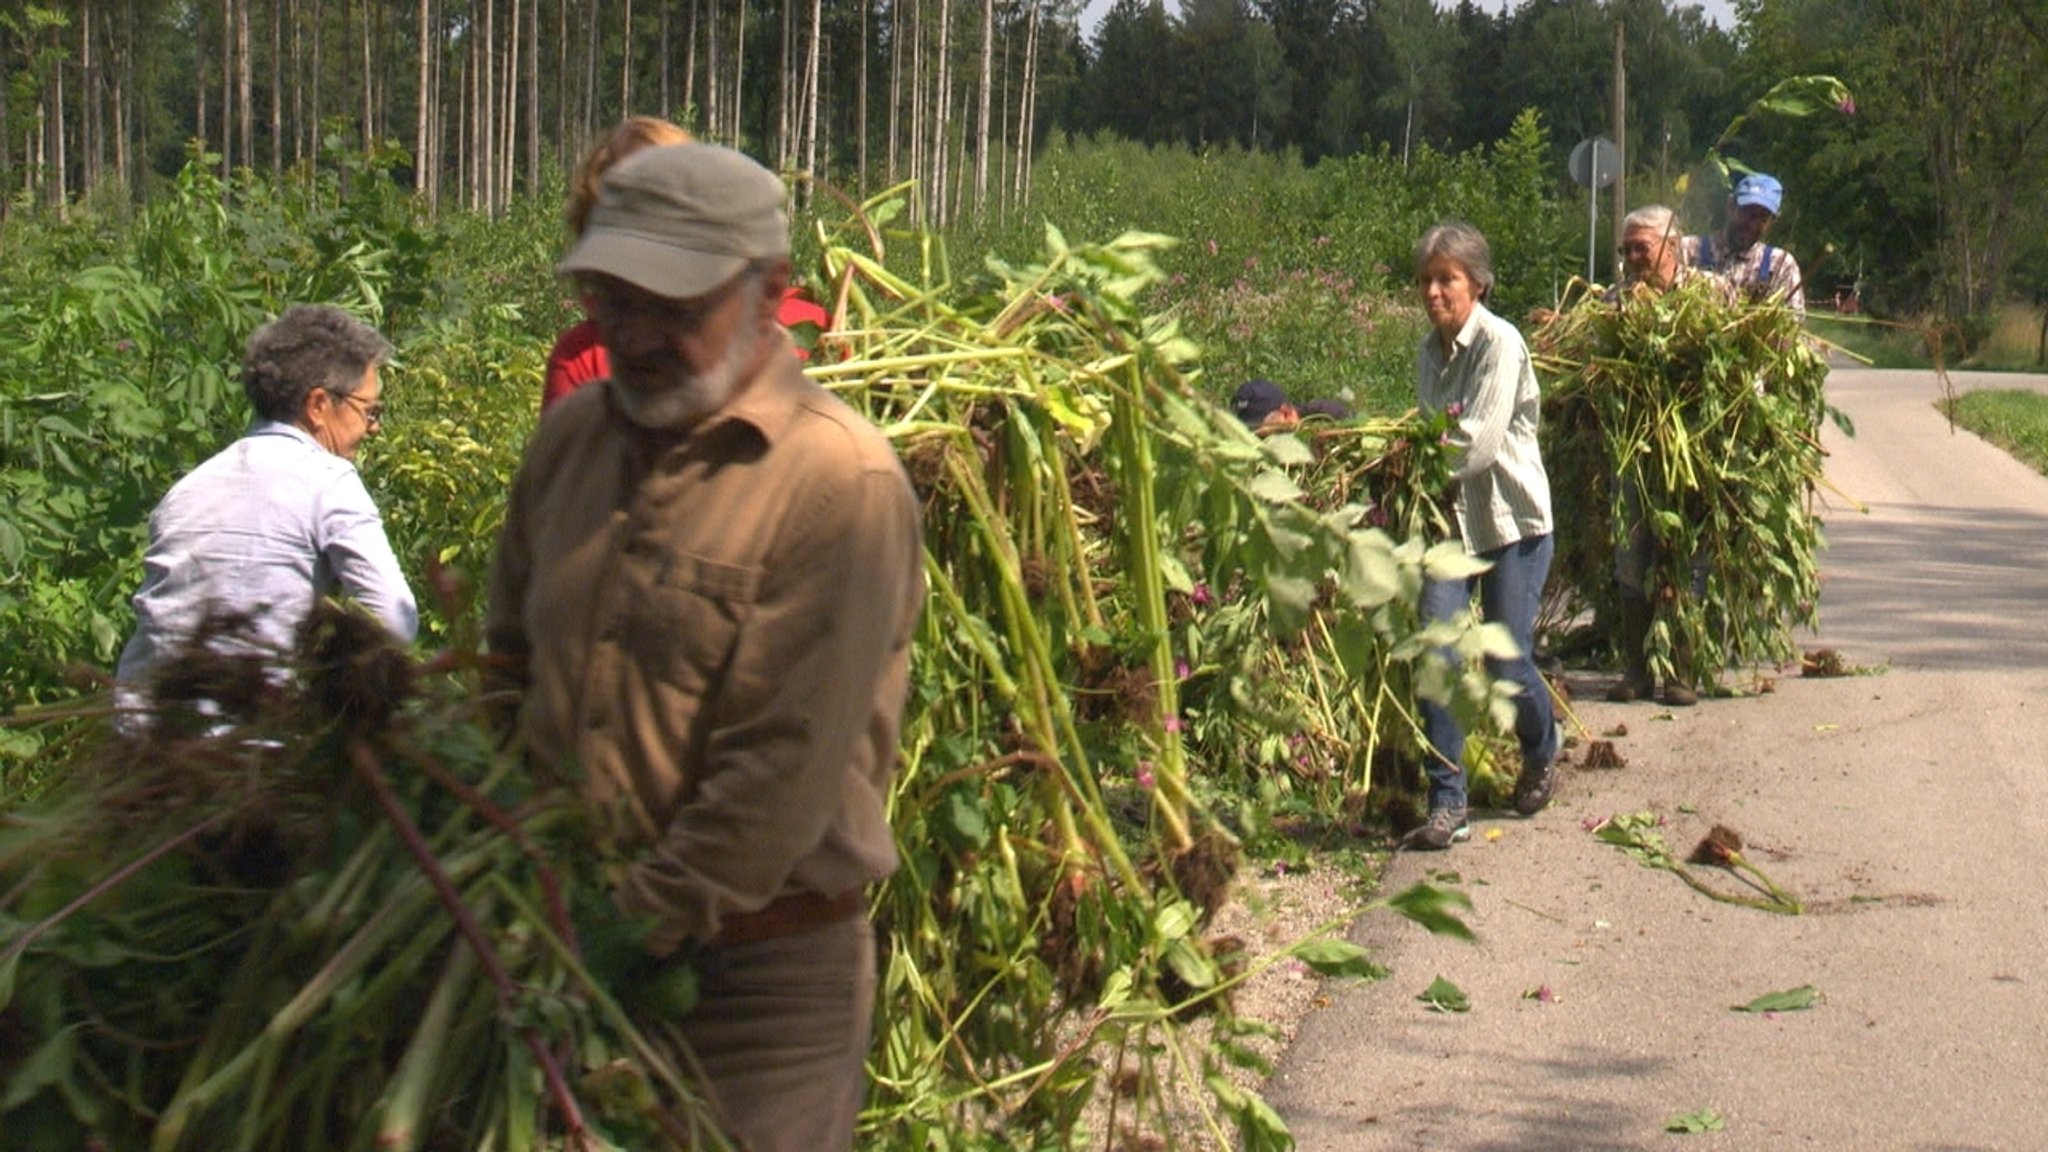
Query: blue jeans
x=1508, y=594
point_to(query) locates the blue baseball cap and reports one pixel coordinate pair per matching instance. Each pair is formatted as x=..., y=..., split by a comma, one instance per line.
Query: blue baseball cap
x=1255, y=400
x=1763, y=191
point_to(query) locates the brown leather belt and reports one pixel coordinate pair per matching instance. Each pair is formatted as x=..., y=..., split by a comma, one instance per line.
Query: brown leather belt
x=791, y=915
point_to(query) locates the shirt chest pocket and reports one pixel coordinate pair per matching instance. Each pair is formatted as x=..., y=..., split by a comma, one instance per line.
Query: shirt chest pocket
x=684, y=627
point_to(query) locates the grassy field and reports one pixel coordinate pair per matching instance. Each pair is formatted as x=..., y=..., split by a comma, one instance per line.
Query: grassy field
x=1883, y=343
x=2015, y=421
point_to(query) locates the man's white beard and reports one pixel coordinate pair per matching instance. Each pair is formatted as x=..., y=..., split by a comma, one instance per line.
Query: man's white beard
x=675, y=408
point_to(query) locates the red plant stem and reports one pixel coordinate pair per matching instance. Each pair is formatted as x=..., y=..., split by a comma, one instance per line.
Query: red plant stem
x=550, y=884
x=380, y=787
x=106, y=885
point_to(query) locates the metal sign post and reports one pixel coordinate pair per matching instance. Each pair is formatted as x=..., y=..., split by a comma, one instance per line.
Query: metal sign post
x=1594, y=164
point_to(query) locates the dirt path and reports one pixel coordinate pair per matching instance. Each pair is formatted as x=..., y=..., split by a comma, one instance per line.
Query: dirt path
x=1907, y=808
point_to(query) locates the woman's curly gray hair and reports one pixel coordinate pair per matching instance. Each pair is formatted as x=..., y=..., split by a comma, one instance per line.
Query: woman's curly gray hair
x=310, y=346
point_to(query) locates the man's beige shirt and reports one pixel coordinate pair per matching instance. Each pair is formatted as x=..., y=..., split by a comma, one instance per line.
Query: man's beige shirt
x=714, y=629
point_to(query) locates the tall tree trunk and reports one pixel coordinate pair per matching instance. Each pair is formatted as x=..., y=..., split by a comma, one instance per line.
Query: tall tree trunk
x=533, y=96
x=896, y=65
x=422, y=156
x=626, y=63
x=276, y=90
x=690, y=65
x=739, y=72
x=860, y=99
x=245, y=99
x=1027, y=111
x=981, y=128
x=942, y=114
x=60, y=191
x=509, y=145
x=227, y=88
x=787, y=93
x=713, y=101
x=812, y=83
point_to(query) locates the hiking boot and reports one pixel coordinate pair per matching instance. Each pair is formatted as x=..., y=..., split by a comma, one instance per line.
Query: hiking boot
x=1446, y=827
x=1538, y=778
x=1636, y=682
x=1680, y=695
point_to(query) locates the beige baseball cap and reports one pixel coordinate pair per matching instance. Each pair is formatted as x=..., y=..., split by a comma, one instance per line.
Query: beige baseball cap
x=682, y=219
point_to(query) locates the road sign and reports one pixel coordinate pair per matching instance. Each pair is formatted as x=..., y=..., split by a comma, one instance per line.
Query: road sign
x=1595, y=162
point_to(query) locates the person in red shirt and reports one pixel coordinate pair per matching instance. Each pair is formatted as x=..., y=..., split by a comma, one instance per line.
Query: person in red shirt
x=579, y=356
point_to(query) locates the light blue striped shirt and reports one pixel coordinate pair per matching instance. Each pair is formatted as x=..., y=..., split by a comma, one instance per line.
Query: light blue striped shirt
x=1503, y=491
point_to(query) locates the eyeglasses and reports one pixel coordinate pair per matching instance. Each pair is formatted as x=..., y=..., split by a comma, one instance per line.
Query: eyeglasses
x=613, y=306
x=1637, y=248
x=373, y=411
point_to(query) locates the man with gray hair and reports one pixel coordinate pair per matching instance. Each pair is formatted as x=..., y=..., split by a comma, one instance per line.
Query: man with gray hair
x=704, y=595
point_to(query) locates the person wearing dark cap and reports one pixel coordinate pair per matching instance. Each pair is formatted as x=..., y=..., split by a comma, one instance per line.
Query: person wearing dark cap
x=703, y=599
x=1738, y=255
x=1258, y=401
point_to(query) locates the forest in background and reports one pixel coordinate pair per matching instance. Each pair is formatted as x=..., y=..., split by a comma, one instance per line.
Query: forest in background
x=1917, y=193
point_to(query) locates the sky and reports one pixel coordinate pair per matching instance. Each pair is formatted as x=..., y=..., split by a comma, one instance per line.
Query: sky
x=1721, y=12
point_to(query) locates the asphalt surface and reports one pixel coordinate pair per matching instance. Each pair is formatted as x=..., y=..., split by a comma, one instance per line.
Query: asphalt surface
x=1905, y=806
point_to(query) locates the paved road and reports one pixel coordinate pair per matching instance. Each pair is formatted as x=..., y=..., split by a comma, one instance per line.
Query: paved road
x=1909, y=808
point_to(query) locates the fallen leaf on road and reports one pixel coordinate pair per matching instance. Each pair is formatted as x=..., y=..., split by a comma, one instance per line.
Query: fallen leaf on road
x=1704, y=1120
x=1791, y=1000
x=1444, y=996
x=1493, y=834
x=1825, y=727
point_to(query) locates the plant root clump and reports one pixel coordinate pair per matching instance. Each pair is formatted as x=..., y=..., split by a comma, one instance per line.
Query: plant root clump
x=1602, y=754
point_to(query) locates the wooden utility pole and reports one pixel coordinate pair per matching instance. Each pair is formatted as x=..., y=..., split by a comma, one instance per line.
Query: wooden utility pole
x=1620, y=127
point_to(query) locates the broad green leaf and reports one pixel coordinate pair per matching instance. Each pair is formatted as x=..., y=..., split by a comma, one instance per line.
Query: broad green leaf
x=1432, y=908
x=1332, y=957
x=1791, y=1000
x=1192, y=964
x=1371, y=577
x=1449, y=561
x=1287, y=449
x=1444, y=996
x=1174, y=920
x=49, y=1066
x=1274, y=487
x=960, y=816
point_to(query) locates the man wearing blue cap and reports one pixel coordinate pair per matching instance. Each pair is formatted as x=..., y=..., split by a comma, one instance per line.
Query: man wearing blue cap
x=1737, y=254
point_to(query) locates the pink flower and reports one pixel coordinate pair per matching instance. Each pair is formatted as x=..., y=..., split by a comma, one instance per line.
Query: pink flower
x=1181, y=671
x=1848, y=105
x=1201, y=596
x=1171, y=724
x=1455, y=409
x=1145, y=779
x=1212, y=247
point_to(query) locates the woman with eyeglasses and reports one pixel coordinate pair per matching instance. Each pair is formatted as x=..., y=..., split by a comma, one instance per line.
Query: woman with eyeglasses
x=280, y=517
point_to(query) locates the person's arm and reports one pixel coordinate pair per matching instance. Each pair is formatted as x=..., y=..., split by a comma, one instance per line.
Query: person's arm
x=796, y=713
x=352, y=539
x=506, y=673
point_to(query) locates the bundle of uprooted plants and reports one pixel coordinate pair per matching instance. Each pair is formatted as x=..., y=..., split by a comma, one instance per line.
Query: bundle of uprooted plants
x=1711, y=410
x=323, y=910
x=1139, y=609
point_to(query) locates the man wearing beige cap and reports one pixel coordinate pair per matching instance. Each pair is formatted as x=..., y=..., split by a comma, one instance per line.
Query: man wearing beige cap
x=705, y=591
